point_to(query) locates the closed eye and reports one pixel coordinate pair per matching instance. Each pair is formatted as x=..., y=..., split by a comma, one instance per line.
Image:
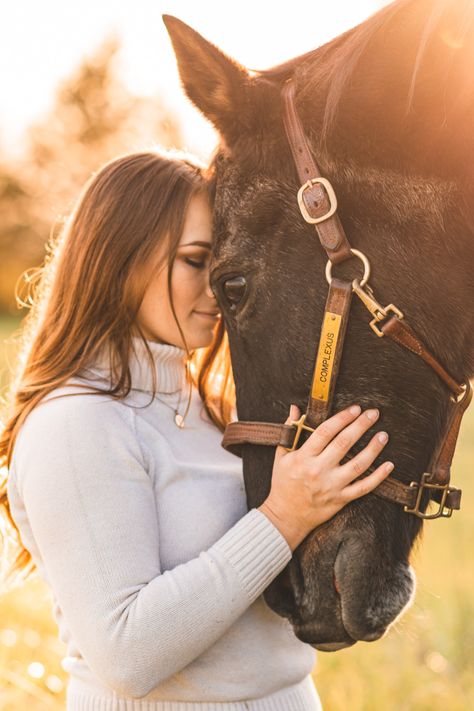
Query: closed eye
x=196, y=265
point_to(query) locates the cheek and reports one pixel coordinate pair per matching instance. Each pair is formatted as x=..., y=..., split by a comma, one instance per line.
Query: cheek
x=155, y=298
x=157, y=290
x=187, y=287
x=155, y=303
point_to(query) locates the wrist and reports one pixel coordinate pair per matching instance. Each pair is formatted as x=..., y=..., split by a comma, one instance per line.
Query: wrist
x=292, y=534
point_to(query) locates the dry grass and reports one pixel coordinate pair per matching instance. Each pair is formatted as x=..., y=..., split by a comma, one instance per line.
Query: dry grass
x=424, y=663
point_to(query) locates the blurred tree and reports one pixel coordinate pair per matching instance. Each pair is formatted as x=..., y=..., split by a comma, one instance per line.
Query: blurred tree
x=23, y=232
x=94, y=118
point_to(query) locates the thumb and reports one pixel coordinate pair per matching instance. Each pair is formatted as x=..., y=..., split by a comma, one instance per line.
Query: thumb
x=295, y=413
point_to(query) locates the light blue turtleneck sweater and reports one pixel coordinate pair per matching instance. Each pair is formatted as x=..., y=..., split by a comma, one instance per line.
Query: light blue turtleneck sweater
x=155, y=564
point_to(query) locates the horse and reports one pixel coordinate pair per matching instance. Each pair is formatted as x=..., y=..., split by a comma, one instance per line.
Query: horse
x=387, y=109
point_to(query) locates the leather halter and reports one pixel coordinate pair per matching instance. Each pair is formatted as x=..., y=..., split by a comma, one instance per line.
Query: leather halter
x=318, y=205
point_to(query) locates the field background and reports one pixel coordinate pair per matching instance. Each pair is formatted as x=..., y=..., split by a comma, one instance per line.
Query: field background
x=116, y=92
x=425, y=663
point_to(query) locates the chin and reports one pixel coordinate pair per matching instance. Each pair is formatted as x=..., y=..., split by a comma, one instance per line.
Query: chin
x=201, y=343
x=202, y=340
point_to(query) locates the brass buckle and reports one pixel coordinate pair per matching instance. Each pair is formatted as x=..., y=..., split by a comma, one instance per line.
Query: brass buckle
x=379, y=312
x=465, y=392
x=330, y=193
x=300, y=426
x=372, y=324
x=424, y=484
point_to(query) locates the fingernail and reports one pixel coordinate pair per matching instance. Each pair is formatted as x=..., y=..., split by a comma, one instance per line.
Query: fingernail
x=389, y=466
x=372, y=414
x=355, y=409
x=382, y=437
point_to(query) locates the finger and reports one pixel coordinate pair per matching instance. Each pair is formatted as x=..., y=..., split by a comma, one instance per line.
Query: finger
x=359, y=464
x=327, y=430
x=367, y=484
x=346, y=439
x=280, y=451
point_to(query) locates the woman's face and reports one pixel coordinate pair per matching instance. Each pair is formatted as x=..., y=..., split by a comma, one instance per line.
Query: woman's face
x=195, y=304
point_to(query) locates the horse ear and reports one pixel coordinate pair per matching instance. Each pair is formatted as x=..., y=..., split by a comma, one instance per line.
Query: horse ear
x=214, y=82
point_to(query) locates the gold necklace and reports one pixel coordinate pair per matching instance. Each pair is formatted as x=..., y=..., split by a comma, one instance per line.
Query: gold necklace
x=179, y=419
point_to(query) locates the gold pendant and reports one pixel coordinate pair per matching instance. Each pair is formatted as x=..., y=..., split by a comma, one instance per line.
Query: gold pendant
x=178, y=420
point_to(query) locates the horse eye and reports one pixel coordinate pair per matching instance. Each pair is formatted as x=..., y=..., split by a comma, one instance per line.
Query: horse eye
x=234, y=290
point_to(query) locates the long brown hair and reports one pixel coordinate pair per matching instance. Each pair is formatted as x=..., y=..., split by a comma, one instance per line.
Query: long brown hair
x=88, y=296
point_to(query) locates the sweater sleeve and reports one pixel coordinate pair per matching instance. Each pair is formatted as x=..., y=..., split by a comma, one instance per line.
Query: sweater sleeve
x=89, y=504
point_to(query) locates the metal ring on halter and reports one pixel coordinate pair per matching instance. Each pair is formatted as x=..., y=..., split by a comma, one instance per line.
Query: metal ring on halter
x=364, y=260
x=466, y=392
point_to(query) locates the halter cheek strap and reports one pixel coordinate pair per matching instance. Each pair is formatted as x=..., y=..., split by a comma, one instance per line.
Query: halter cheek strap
x=318, y=205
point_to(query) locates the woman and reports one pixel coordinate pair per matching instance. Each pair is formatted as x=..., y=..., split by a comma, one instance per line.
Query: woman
x=124, y=499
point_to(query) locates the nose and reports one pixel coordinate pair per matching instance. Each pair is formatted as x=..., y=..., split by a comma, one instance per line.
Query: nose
x=209, y=292
x=208, y=289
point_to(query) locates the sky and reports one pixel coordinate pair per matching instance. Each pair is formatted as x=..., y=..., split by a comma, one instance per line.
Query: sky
x=42, y=41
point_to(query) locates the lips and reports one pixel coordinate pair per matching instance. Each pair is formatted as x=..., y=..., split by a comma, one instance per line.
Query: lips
x=211, y=317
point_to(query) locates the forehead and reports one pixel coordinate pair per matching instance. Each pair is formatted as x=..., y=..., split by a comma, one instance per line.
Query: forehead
x=251, y=213
x=243, y=191
x=197, y=226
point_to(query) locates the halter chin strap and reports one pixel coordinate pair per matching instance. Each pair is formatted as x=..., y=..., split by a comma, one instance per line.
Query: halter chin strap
x=318, y=205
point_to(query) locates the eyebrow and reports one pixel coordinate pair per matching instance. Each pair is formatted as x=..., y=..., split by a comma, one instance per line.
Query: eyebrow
x=199, y=244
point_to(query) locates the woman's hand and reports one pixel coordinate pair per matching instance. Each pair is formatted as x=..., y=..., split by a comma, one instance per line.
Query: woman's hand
x=309, y=486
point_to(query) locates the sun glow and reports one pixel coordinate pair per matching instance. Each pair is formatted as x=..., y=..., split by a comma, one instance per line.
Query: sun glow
x=448, y=38
x=41, y=43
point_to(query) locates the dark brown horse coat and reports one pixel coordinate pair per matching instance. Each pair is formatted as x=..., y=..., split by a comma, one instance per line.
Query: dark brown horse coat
x=388, y=109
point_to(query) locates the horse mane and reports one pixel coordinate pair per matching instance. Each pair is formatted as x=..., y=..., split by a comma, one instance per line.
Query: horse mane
x=346, y=50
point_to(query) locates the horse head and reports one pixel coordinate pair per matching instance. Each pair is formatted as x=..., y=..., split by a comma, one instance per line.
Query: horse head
x=387, y=109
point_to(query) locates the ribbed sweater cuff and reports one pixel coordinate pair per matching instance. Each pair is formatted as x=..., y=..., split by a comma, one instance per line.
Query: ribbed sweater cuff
x=256, y=549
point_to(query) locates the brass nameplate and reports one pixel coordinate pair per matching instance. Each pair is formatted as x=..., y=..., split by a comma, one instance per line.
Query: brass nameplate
x=326, y=355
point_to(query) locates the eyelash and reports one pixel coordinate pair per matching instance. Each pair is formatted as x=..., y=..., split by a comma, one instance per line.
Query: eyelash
x=196, y=265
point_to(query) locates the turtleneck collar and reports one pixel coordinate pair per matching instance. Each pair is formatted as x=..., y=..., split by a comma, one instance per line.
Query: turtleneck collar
x=169, y=364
